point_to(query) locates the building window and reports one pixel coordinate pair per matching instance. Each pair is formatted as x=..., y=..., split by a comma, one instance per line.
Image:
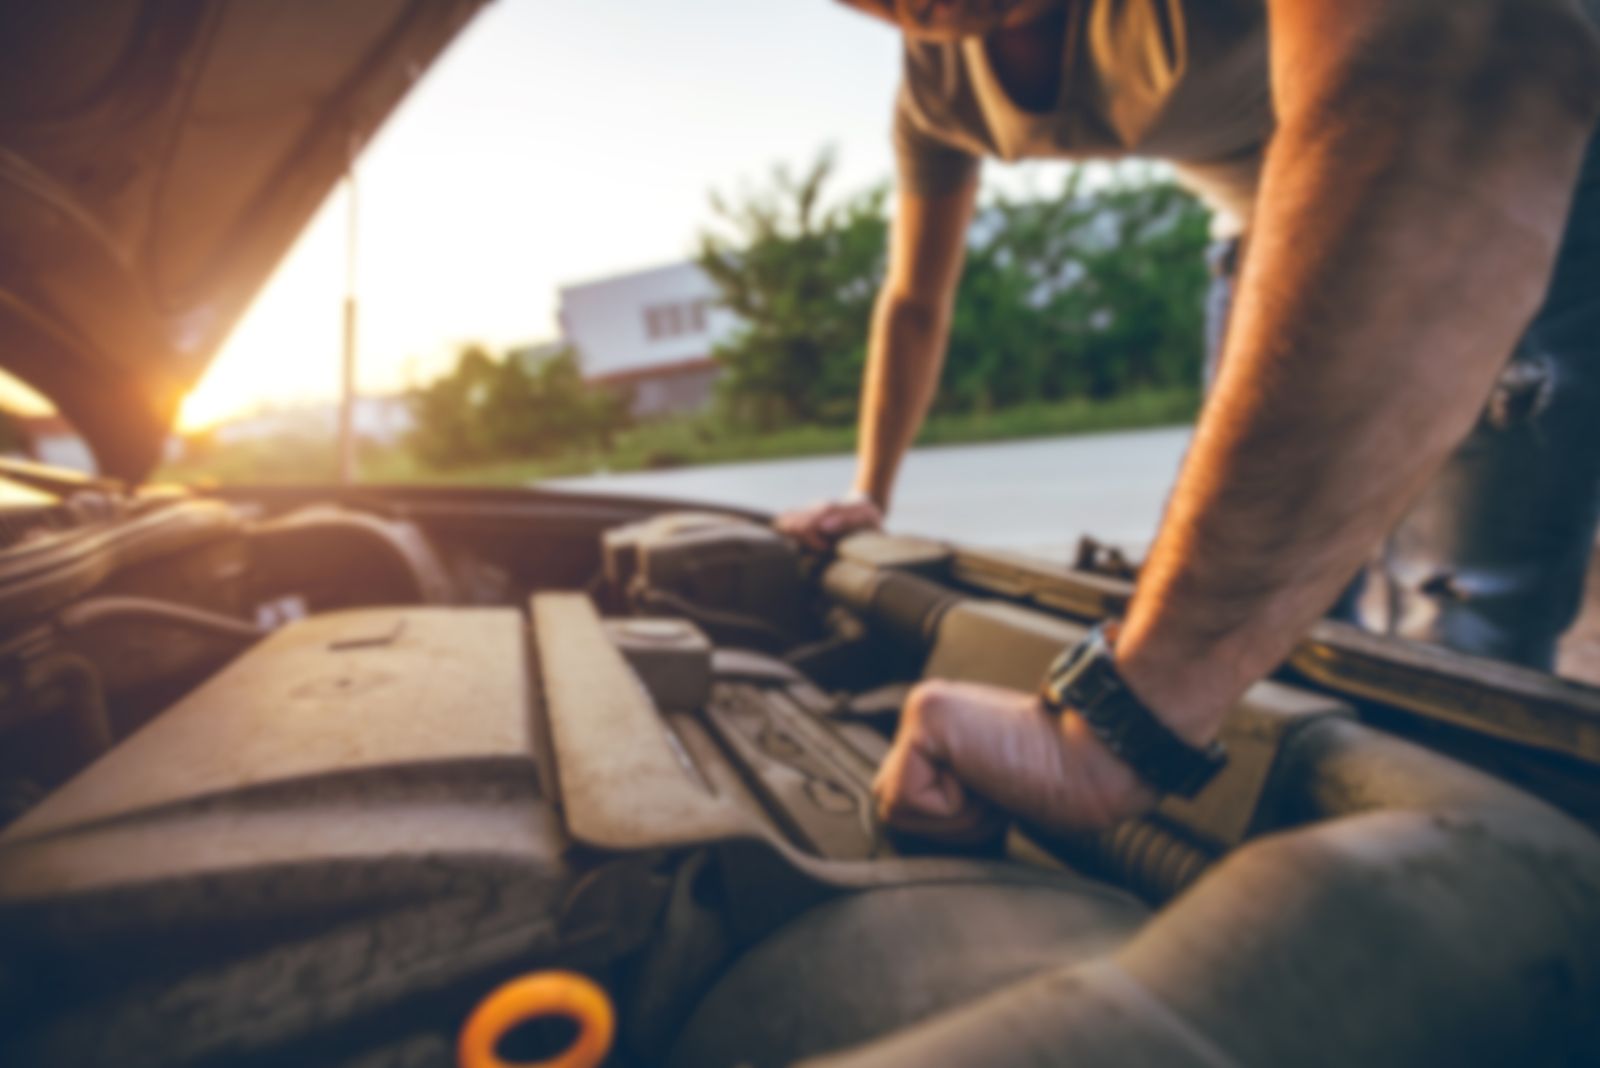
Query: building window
x=662, y=321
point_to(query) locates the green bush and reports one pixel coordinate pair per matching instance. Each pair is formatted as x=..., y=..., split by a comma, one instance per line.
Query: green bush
x=1093, y=292
x=488, y=409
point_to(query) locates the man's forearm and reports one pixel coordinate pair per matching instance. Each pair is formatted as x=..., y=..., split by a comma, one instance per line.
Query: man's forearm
x=905, y=354
x=910, y=325
x=1399, y=249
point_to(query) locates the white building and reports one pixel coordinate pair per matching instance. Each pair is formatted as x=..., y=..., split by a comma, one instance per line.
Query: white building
x=651, y=332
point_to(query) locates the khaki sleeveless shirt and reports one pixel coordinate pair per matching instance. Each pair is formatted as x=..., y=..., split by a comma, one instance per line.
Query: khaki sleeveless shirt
x=1181, y=80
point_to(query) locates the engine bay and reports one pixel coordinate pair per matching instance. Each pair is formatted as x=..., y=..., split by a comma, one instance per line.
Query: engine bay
x=299, y=777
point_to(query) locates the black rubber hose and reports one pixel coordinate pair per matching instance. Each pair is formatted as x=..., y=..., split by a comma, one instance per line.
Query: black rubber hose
x=1144, y=856
x=726, y=626
x=95, y=610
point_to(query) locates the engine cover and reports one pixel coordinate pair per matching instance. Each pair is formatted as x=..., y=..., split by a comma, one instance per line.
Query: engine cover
x=349, y=813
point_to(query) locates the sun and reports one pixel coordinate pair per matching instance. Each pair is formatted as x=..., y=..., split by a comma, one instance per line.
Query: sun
x=285, y=349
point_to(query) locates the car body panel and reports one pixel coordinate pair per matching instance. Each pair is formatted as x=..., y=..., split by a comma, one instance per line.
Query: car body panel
x=157, y=159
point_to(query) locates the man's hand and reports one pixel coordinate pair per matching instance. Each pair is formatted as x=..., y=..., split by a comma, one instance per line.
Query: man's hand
x=962, y=748
x=820, y=525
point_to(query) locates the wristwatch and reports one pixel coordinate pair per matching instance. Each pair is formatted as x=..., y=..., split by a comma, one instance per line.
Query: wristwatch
x=1085, y=680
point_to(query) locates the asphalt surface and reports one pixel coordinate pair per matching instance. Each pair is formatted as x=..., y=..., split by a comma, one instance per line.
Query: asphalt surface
x=1035, y=496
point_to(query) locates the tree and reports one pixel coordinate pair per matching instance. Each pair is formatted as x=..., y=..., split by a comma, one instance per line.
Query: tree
x=491, y=408
x=1092, y=292
x=1088, y=293
x=802, y=276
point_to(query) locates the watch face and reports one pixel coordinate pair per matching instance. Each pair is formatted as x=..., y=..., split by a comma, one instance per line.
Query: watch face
x=1080, y=675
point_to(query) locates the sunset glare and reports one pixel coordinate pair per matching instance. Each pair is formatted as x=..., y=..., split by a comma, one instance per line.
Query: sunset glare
x=553, y=143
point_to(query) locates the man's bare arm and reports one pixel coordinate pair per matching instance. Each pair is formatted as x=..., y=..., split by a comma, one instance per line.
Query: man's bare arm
x=1413, y=203
x=910, y=326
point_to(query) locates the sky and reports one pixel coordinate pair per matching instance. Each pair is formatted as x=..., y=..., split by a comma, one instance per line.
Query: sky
x=554, y=143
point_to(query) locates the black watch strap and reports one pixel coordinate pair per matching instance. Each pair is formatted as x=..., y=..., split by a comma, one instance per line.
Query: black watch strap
x=1085, y=680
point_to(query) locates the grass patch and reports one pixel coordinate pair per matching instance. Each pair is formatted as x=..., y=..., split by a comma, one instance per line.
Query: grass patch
x=680, y=443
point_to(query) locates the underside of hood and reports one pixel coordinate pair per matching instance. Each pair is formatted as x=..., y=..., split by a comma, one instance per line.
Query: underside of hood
x=157, y=159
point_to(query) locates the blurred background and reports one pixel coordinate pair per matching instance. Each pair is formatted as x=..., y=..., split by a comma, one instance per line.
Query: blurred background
x=635, y=246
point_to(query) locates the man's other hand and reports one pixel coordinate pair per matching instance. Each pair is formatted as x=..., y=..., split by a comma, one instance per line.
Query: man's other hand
x=962, y=747
x=820, y=525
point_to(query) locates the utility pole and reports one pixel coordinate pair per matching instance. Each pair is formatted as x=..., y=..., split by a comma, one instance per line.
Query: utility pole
x=347, y=390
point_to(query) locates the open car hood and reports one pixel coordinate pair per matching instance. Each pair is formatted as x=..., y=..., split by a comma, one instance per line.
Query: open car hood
x=157, y=159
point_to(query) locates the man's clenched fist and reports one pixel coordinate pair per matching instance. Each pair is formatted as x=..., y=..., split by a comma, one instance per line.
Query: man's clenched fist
x=962, y=747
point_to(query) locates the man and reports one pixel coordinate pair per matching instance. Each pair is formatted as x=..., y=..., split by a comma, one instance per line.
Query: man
x=1407, y=170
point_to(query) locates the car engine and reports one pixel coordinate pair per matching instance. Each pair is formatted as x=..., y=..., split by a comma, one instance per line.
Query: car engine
x=300, y=777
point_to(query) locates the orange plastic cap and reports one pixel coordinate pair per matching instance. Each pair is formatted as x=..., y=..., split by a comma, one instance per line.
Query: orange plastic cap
x=541, y=994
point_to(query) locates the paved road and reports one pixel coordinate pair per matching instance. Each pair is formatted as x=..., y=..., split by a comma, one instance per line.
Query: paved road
x=1036, y=496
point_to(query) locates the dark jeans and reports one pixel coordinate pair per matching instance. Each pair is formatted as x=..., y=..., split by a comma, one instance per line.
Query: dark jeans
x=1491, y=559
